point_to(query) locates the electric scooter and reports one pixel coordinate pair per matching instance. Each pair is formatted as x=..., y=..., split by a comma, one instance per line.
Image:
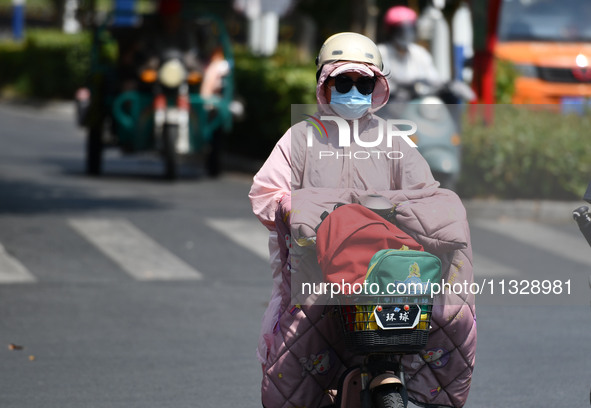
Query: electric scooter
x=380, y=330
x=380, y=340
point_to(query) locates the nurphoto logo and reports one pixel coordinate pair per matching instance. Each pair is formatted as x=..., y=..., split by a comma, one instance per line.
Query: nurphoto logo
x=392, y=130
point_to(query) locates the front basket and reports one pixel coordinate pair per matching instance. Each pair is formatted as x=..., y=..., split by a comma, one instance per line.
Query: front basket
x=363, y=335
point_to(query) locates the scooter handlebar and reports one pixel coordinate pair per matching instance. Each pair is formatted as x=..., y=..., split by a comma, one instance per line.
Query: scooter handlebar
x=422, y=88
x=462, y=90
x=583, y=218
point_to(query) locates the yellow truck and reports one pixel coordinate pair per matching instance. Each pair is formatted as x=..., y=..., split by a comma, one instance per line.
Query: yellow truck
x=549, y=43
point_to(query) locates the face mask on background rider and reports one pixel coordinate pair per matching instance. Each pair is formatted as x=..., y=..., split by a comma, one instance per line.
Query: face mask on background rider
x=403, y=35
x=351, y=95
x=400, y=23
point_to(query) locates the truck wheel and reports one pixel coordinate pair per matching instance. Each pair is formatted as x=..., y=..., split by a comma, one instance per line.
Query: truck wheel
x=388, y=397
x=214, y=158
x=94, y=150
x=169, y=137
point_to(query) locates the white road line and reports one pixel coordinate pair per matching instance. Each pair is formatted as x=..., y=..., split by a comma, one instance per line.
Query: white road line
x=543, y=237
x=250, y=234
x=485, y=267
x=132, y=250
x=11, y=270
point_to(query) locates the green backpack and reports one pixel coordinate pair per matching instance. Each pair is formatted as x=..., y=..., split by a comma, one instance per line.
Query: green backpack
x=409, y=272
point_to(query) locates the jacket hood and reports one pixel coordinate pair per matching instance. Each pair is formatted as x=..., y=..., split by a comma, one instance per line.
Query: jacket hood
x=380, y=94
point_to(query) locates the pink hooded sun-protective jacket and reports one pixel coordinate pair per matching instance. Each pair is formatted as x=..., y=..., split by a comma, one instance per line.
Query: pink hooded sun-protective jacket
x=301, y=347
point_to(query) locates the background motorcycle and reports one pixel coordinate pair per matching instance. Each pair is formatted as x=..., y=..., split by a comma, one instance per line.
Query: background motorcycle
x=168, y=85
x=583, y=218
x=156, y=105
x=436, y=111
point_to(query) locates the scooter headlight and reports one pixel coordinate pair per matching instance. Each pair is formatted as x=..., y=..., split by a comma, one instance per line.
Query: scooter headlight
x=172, y=73
x=432, y=108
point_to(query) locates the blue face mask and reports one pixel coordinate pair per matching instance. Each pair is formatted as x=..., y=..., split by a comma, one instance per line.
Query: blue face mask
x=350, y=105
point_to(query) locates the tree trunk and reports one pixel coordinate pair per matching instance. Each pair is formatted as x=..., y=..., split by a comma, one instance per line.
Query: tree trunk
x=58, y=12
x=358, y=17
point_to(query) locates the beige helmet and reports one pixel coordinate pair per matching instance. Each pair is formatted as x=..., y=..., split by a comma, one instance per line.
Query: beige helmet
x=349, y=47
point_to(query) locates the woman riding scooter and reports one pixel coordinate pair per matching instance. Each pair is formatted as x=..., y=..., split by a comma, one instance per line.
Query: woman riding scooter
x=301, y=348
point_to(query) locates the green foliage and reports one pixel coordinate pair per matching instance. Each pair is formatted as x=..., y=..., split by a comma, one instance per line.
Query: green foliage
x=64, y=56
x=12, y=59
x=32, y=7
x=47, y=64
x=269, y=86
x=506, y=74
x=528, y=152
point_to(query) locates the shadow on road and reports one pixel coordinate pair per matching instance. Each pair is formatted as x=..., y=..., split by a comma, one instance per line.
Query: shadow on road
x=118, y=167
x=29, y=197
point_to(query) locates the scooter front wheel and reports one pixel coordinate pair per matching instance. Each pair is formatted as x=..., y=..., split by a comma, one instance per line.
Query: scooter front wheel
x=388, y=397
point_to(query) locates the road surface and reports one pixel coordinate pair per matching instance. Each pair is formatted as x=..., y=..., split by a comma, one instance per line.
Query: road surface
x=128, y=291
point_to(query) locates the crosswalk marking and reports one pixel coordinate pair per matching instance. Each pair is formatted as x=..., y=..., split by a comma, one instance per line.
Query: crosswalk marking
x=249, y=234
x=144, y=259
x=11, y=270
x=132, y=250
x=543, y=237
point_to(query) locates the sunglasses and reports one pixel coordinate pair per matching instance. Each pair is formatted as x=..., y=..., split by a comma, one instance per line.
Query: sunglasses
x=364, y=85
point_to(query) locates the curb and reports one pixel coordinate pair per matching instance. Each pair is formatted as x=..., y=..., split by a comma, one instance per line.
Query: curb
x=534, y=210
x=61, y=107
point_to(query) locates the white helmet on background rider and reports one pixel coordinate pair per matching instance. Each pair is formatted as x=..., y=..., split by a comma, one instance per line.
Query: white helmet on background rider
x=400, y=23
